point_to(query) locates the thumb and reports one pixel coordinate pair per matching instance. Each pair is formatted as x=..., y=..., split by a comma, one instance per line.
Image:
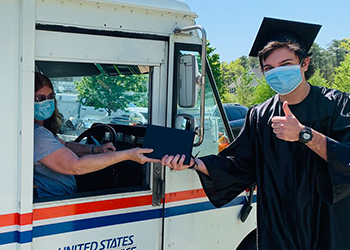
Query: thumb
x=146, y=150
x=287, y=110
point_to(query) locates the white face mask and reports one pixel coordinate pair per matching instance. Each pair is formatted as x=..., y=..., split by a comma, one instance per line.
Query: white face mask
x=284, y=79
x=44, y=110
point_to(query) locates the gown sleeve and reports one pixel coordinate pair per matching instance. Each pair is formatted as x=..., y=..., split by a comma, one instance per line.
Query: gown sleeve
x=233, y=170
x=334, y=177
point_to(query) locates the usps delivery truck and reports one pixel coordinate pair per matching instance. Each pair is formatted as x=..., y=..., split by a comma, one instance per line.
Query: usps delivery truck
x=113, y=55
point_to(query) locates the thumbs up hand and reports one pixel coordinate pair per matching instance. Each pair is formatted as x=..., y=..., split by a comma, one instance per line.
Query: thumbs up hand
x=287, y=127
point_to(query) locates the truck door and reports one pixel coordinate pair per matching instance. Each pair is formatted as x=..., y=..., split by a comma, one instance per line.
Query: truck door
x=191, y=222
x=123, y=76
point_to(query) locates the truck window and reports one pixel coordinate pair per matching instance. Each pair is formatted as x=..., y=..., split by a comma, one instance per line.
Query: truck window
x=215, y=135
x=92, y=94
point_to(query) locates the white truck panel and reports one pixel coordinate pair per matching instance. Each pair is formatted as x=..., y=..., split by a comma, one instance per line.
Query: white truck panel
x=10, y=104
x=57, y=46
x=112, y=16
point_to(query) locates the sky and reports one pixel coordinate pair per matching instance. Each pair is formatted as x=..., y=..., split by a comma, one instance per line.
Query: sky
x=232, y=25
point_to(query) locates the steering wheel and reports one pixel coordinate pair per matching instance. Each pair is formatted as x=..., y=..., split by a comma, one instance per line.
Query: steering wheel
x=98, y=132
x=120, y=175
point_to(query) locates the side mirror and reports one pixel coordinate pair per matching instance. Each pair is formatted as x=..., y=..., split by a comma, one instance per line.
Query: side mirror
x=184, y=122
x=188, y=77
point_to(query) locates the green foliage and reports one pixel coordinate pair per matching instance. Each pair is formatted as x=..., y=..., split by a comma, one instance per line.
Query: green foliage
x=231, y=72
x=338, y=51
x=324, y=60
x=214, y=63
x=262, y=91
x=342, y=75
x=249, y=62
x=345, y=44
x=239, y=78
x=112, y=92
x=244, y=88
x=228, y=98
x=328, y=59
x=332, y=70
x=318, y=80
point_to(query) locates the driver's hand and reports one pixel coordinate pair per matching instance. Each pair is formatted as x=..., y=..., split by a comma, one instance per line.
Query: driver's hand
x=137, y=154
x=105, y=148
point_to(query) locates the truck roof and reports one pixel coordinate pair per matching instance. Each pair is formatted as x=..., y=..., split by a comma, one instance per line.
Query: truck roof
x=157, y=17
x=177, y=5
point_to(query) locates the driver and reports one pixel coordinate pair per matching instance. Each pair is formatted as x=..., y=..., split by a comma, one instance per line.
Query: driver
x=56, y=161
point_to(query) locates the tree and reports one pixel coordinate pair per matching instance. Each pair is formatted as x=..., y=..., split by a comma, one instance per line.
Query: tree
x=318, y=80
x=112, y=92
x=214, y=63
x=327, y=60
x=342, y=75
x=244, y=88
x=338, y=52
x=345, y=44
x=249, y=62
x=231, y=72
x=262, y=91
x=228, y=97
x=324, y=60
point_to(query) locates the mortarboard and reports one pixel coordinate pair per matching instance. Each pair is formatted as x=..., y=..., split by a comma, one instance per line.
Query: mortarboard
x=168, y=141
x=272, y=29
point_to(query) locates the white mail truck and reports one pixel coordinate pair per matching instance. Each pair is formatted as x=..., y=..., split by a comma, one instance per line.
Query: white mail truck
x=140, y=62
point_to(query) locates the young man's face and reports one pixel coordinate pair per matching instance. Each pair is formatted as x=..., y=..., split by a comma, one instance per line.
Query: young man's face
x=280, y=57
x=282, y=71
x=284, y=57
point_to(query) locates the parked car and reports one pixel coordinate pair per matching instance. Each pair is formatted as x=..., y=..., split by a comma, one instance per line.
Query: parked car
x=236, y=114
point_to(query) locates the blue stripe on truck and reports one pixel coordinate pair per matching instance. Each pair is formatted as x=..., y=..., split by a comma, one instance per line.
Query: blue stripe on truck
x=83, y=224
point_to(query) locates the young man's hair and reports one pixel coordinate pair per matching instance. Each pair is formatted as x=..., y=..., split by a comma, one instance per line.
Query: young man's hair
x=55, y=121
x=292, y=46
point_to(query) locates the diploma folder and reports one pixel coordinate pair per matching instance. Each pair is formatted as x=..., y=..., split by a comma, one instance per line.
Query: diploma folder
x=168, y=141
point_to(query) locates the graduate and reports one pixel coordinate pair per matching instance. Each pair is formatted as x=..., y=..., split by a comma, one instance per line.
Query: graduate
x=295, y=146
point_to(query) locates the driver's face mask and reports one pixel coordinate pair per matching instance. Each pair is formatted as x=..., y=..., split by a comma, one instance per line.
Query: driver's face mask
x=44, y=110
x=284, y=79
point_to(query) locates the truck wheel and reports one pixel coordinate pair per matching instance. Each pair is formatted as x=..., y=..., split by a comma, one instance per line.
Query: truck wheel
x=249, y=242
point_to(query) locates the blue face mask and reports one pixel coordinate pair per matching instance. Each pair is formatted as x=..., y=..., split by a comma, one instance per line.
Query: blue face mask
x=284, y=79
x=44, y=110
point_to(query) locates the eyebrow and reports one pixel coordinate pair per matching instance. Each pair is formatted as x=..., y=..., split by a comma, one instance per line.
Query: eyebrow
x=286, y=60
x=43, y=94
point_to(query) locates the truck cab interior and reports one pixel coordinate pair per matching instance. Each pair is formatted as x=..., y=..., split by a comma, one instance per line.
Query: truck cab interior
x=121, y=90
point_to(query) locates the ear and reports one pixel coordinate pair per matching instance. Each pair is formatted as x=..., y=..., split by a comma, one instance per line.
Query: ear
x=305, y=64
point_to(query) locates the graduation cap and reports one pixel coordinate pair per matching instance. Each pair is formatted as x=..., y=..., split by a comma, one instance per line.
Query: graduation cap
x=272, y=29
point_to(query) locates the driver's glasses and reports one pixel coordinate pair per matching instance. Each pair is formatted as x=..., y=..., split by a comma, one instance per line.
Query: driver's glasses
x=40, y=98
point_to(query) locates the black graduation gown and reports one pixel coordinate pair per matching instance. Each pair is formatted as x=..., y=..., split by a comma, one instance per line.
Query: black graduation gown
x=303, y=201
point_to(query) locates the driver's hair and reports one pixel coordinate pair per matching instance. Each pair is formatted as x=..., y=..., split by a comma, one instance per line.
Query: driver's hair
x=54, y=123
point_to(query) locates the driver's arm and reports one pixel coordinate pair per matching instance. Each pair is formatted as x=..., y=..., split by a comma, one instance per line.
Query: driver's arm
x=65, y=161
x=85, y=149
